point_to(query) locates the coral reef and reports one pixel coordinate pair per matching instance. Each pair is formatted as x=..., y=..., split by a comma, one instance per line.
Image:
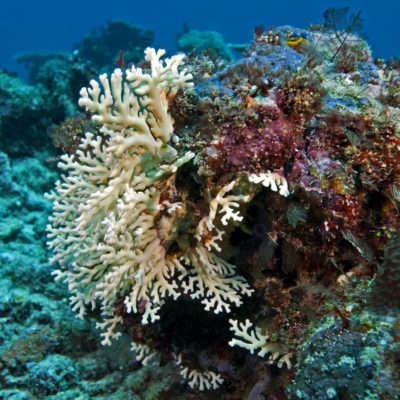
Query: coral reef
x=204, y=41
x=20, y=120
x=56, y=79
x=45, y=351
x=233, y=228
x=104, y=44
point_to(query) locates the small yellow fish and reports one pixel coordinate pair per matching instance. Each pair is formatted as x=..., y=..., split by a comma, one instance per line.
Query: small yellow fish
x=293, y=39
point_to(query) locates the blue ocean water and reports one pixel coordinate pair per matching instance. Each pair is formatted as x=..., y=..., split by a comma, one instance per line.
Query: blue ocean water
x=50, y=25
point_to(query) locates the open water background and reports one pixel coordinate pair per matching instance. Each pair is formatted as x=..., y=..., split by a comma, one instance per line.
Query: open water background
x=56, y=25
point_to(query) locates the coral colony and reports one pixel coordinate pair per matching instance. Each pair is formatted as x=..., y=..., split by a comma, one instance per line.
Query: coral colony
x=262, y=195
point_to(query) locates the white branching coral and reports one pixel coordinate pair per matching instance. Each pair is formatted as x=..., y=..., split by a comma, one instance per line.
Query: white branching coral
x=226, y=206
x=248, y=338
x=145, y=354
x=253, y=339
x=106, y=233
x=196, y=379
x=276, y=182
x=138, y=107
x=214, y=280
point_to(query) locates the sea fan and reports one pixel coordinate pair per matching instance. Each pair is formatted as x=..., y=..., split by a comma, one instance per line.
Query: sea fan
x=337, y=20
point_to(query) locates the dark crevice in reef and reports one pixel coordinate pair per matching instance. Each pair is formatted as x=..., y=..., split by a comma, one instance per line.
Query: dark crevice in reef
x=185, y=324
